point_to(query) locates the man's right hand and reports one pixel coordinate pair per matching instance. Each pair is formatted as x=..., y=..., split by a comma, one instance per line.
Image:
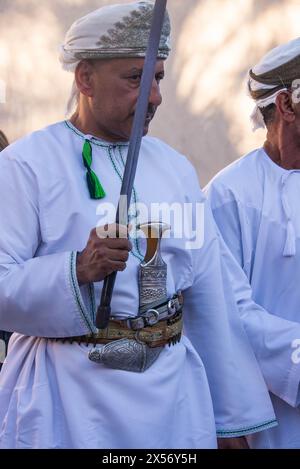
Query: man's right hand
x=107, y=251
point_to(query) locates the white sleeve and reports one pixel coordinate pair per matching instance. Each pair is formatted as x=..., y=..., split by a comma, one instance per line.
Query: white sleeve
x=273, y=338
x=39, y=295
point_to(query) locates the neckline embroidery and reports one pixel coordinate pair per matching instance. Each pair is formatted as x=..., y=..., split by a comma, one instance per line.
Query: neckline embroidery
x=94, y=140
x=95, y=187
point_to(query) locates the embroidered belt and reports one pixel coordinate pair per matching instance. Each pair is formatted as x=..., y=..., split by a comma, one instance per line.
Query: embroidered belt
x=133, y=344
x=158, y=325
x=167, y=331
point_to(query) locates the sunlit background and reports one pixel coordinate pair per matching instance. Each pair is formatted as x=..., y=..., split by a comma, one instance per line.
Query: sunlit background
x=205, y=113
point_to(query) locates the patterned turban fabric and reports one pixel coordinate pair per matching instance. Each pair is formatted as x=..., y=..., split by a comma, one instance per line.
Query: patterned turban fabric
x=274, y=74
x=114, y=31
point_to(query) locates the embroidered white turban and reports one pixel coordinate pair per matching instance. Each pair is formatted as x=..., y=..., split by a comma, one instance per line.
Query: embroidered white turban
x=274, y=74
x=112, y=31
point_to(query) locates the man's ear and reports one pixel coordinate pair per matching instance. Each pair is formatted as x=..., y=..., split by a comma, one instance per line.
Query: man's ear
x=285, y=106
x=83, y=77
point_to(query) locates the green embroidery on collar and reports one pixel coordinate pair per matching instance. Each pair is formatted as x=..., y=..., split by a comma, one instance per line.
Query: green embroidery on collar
x=94, y=140
x=110, y=148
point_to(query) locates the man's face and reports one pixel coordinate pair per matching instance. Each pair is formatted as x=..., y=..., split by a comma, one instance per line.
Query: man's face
x=115, y=90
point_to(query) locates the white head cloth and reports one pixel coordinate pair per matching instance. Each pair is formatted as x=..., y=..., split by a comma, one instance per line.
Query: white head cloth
x=275, y=58
x=112, y=31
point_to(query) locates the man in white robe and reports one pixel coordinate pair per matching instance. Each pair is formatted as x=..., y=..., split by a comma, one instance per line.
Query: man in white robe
x=52, y=265
x=255, y=202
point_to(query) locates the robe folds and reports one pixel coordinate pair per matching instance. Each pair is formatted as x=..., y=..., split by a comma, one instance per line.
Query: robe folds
x=255, y=204
x=51, y=394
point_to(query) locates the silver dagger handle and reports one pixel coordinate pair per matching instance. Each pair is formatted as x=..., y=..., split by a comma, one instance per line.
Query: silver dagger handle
x=153, y=269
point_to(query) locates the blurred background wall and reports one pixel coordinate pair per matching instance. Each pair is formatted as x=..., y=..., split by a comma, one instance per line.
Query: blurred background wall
x=205, y=113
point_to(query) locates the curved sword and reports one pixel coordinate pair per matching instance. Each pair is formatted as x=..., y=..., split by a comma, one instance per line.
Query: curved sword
x=103, y=312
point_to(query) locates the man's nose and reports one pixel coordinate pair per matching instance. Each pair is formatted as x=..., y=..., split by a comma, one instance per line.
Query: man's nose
x=155, y=95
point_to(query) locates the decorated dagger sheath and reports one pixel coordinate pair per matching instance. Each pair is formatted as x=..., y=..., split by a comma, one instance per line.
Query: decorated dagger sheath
x=153, y=269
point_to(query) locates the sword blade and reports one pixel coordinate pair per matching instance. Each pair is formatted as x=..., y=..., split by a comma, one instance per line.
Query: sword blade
x=103, y=312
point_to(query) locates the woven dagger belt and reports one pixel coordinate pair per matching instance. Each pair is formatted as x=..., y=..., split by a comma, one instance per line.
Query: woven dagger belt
x=164, y=332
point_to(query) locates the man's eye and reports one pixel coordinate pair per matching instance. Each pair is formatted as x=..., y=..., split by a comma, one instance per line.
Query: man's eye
x=135, y=78
x=159, y=77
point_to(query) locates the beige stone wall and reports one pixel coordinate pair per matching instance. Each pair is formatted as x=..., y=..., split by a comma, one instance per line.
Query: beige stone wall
x=205, y=109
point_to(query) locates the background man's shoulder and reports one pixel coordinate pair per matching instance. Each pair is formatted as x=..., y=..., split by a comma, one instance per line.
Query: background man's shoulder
x=240, y=175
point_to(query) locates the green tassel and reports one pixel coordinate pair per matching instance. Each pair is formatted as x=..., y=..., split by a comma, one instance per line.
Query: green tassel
x=95, y=188
x=87, y=154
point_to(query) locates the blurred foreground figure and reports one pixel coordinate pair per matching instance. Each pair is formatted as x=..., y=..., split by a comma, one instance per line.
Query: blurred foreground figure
x=4, y=336
x=3, y=141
